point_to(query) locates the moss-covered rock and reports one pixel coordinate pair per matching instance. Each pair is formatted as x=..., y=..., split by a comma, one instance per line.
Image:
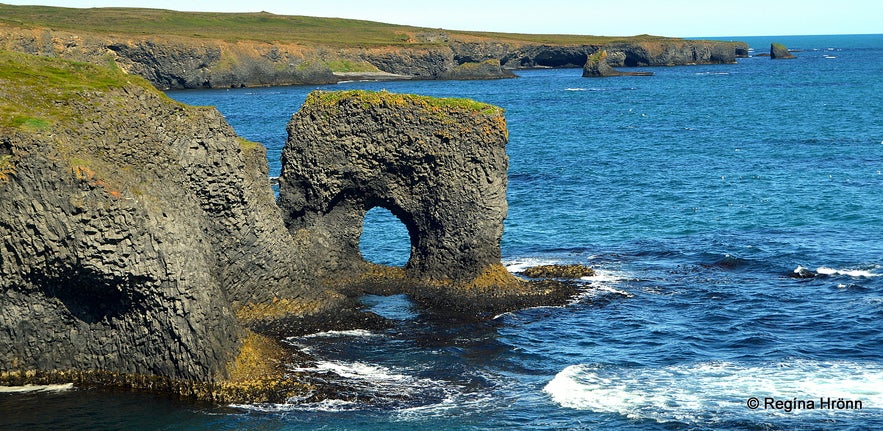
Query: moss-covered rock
x=131, y=230
x=559, y=271
x=780, y=52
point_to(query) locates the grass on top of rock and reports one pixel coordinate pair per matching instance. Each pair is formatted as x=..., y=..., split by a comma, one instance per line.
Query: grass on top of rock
x=36, y=90
x=264, y=27
x=371, y=98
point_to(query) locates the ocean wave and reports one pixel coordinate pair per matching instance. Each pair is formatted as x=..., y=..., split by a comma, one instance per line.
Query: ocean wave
x=713, y=390
x=367, y=386
x=36, y=388
x=519, y=265
x=356, y=333
x=857, y=273
x=824, y=270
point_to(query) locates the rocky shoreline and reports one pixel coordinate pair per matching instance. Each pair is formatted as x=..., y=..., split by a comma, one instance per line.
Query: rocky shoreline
x=142, y=246
x=179, y=62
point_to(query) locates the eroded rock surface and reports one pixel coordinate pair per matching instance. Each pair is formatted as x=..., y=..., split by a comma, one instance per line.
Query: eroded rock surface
x=440, y=165
x=131, y=227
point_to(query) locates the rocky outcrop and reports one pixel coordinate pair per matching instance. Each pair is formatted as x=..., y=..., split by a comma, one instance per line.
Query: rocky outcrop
x=439, y=165
x=174, y=62
x=670, y=53
x=132, y=229
x=141, y=247
x=597, y=67
x=171, y=62
x=780, y=52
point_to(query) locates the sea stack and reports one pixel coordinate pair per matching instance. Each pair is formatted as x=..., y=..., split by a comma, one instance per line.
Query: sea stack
x=597, y=67
x=779, y=52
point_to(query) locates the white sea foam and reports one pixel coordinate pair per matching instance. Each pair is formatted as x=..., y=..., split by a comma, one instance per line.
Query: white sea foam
x=356, y=333
x=858, y=273
x=358, y=371
x=36, y=388
x=519, y=265
x=712, y=390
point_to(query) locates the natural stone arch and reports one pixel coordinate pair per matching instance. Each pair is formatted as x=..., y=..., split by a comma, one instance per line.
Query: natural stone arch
x=439, y=165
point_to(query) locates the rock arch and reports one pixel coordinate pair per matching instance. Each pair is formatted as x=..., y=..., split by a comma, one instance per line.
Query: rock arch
x=439, y=165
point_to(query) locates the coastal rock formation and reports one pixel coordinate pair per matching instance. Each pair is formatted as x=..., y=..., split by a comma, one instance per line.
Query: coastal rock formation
x=266, y=56
x=141, y=246
x=670, y=53
x=597, y=67
x=779, y=52
x=438, y=164
x=132, y=228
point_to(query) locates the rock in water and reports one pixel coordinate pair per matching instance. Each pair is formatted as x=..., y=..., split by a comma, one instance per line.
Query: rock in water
x=779, y=52
x=597, y=67
x=439, y=165
x=130, y=227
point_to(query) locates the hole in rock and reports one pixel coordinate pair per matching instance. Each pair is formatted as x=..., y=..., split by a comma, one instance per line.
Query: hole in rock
x=385, y=239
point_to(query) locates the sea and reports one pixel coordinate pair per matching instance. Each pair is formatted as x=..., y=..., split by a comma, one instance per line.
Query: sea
x=733, y=215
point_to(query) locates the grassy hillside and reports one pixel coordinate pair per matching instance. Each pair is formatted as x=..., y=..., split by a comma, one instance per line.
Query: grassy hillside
x=261, y=26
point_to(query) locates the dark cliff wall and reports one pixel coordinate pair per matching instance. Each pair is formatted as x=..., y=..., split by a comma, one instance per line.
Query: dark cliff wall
x=670, y=53
x=130, y=227
x=180, y=62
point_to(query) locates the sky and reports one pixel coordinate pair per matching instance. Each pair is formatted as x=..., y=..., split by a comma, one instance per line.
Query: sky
x=676, y=18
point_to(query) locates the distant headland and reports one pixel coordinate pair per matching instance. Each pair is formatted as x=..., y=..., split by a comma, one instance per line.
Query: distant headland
x=176, y=50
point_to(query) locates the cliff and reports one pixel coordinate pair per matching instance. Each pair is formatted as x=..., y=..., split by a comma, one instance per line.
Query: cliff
x=597, y=66
x=133, y=231
x=205, y=50
x=141, y=247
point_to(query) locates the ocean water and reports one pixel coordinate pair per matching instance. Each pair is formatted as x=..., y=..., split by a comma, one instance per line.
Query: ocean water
x=695, y=193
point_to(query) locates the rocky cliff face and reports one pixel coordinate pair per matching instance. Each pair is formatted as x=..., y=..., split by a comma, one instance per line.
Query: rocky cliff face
x=597, y=66
x=131, y=227
x=171, y=62
x=670, y=53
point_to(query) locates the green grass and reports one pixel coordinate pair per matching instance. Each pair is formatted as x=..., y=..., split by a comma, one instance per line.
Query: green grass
x=36, y=91
x=351, y=66
x=260, y=26
x=368, y=98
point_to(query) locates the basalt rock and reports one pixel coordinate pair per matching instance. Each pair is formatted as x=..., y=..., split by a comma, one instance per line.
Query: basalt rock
x=439, y=165
x=141, y=247
x=176, y=61
x=779, y=52
x=133, y=230
x=671, y=53
x=597, y=67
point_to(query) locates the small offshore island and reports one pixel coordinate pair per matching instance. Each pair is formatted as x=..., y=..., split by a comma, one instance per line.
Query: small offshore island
x=143, y=247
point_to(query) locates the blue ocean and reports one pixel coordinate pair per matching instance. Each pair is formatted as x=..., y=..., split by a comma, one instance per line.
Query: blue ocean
x=733, y=214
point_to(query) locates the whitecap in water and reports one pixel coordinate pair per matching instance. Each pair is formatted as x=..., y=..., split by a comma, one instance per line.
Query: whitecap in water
x=36, y=388
x=713, y=391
